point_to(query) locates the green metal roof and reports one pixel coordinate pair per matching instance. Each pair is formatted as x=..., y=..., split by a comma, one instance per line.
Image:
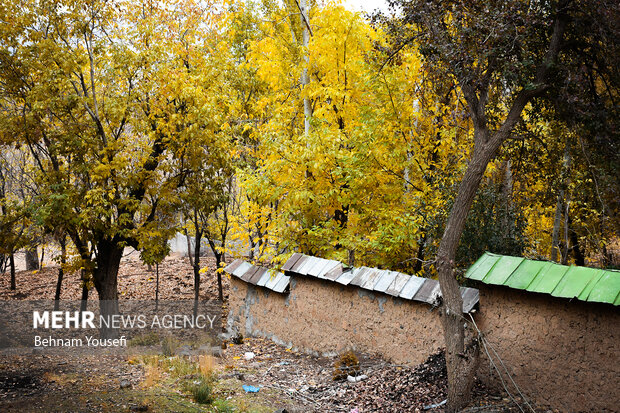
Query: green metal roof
x=586, y=284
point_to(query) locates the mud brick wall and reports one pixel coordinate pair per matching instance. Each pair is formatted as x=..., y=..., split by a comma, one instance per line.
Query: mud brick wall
x=323, y=317
x=561, y=353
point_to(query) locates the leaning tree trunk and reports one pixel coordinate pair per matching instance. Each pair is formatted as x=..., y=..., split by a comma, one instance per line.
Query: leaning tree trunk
x=105, y=278
x=461, y=357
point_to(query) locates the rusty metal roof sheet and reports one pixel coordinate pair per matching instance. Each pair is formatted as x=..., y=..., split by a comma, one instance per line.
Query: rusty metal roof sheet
x=260, y=276
x=582, y=283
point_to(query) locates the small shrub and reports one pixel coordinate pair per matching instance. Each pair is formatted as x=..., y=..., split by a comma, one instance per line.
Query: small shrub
x=203, y=392
x=346, y=365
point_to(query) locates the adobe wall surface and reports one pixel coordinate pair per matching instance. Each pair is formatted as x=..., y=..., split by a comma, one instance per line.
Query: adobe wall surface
x=323, y=317
x=561, y=353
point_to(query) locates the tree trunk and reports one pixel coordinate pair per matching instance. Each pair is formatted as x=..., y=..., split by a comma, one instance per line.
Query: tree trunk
x=12, y=265
x=574, y=239
x=157, y=286
x=559, y=206
x=84, y=299
x=507, y=186
x=198, y=240
x=32, y=259
x=305, y=80
x=566, y=248
x=417, y=266
x=461, y=359
x=557, y=222
x=61, y=272
x=189, y=247
x=105, y=278
x=220, y=288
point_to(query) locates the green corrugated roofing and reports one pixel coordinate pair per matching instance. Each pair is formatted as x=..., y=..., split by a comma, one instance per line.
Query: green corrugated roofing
x=586, y=284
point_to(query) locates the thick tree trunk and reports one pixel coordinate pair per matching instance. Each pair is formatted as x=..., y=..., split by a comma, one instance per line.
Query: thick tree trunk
x=32, y=259
x=461, y=358
x=61, y=273
x=12, y=266
x=105, y=278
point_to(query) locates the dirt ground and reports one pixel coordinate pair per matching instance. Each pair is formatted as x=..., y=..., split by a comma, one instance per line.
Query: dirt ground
x=286, y=381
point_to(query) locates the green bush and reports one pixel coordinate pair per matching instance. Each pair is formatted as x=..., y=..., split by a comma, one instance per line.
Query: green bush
x=203, y=392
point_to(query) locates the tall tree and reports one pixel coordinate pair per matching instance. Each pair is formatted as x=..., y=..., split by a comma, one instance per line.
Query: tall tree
x=502, y=56
x=87, y=89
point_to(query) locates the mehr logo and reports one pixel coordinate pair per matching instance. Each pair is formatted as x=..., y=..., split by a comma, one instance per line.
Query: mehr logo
x=85, y=319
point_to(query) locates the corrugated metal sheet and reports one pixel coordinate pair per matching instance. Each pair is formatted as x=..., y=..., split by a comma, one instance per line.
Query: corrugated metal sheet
x=361, y=276
x=471, y=296
x=291, y=261
x=429, y=292
x=387, y=278
x=300, y=263
x=263, y=277
x=582, y=283
x=346, y=277
x=398, y=284
x=393, y=283
x=373, y=278
x=412, y=287
x=334, y=273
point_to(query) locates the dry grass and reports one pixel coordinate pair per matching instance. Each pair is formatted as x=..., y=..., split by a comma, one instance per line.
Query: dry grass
x=207, y=365
x=152, y=375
